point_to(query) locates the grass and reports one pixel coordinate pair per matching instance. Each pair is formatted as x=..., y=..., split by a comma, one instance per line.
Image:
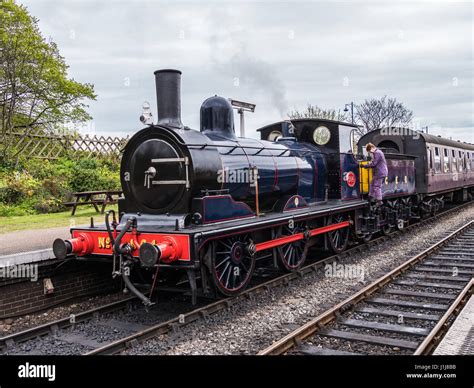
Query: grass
x=52, y=220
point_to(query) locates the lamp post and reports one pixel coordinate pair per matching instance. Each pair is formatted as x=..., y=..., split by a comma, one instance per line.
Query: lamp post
x=352, y=110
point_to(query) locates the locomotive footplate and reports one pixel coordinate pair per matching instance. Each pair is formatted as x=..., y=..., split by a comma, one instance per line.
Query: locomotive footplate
x=178, y=245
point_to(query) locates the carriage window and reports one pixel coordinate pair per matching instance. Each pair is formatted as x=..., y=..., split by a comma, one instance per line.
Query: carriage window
x=461, y=166
x=446, y=161
x=437, y=160
x=430, y=158
x=454, y=162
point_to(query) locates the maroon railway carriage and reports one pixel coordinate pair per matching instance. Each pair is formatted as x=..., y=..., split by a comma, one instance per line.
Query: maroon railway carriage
x=444, y=167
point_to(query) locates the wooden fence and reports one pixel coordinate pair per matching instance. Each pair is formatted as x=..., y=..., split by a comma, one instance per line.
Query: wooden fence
x=53, y=146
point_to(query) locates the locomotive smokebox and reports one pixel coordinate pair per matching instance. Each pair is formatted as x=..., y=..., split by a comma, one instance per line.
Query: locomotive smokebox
x=168, y=97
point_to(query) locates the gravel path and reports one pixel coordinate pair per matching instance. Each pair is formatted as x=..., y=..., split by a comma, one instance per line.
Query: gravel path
x=251, y=325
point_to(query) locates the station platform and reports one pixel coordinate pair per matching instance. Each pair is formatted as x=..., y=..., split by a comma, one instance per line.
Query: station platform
x=459, y=340
x=32, y=279
x=28, y=246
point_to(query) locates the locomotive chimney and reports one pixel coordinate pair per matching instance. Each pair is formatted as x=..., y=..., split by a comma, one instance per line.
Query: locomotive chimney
x=168, y=97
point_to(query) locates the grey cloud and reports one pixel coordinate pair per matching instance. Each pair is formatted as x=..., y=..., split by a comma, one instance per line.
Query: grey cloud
x=286, y=54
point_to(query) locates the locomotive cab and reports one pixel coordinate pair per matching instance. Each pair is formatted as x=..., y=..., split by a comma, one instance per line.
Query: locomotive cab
x=334, y=142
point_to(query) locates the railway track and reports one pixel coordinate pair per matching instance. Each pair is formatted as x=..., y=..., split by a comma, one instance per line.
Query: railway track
x=61, y=324
x=91, y=329
x=128, y=334
x=407, y=311
x=284, y=280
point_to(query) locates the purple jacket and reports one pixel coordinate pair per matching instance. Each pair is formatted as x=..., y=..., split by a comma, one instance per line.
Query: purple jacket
x=379, y=164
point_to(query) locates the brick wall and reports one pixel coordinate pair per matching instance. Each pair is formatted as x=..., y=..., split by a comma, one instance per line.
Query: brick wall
x=70, y=280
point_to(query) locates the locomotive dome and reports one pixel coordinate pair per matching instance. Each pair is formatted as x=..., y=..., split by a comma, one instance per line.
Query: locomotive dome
x=217, y=117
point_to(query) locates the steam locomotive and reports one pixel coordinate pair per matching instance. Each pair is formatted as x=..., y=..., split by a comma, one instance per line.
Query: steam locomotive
x=212, y=207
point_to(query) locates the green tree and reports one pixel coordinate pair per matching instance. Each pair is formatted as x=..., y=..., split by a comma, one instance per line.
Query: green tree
x=315, y=112
x=35, y=91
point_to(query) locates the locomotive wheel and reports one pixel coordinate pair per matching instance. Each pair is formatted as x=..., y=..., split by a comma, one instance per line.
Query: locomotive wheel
x=338, y=239
x=404, y=211
x=386, y=229
x=232, y=264
x=425, y=210
x=401, y=219
x=366, y=238
x=435, y=208
x=291, y=256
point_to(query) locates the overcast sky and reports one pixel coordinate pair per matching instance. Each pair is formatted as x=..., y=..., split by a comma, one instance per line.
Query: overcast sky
x=276, y=54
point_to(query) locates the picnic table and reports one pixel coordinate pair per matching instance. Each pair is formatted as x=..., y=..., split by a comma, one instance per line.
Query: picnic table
x=95, y=198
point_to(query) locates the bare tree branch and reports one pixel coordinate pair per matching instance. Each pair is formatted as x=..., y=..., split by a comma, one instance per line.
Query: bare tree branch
x=315, y=112
x=383, y=112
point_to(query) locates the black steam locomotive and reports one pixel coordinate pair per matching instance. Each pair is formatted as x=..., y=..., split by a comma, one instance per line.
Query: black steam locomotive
x=214, y=206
